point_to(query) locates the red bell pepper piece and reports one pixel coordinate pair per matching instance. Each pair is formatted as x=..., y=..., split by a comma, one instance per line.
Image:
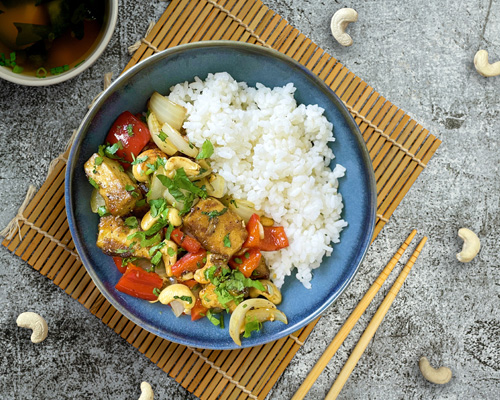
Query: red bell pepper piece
x=187, y=242
x=198, y=311
x=191, y=283
x=253, y=238
x=131, y=132
x=274, y=239
x=119, y=264
x=189, y=262
x=246, y=263
x=139, y=283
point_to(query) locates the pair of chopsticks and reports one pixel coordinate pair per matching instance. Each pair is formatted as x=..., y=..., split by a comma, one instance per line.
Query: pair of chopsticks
x=354, y=317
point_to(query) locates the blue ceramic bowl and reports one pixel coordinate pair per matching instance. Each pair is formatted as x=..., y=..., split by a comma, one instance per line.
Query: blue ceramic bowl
x=251, y=64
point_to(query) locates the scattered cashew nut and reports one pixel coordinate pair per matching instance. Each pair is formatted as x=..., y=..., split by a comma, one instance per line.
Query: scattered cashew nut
x=35, y=322
x=339, y=23
x=439, y=376
x=471, y=245
x=483, y=66
x=146, y=392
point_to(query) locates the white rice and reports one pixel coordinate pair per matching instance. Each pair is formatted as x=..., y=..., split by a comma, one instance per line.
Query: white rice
x=275, y=154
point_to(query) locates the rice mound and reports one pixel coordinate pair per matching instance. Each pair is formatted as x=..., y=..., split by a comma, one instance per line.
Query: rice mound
x=275, y=154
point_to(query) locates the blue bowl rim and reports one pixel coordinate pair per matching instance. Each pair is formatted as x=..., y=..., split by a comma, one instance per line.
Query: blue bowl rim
x=122, y=81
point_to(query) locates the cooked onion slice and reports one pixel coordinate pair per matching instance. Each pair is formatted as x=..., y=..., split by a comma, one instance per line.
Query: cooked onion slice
x=215, y=185
x=177, y=308
x=243, y=208
x=160, y=140
x=263, y=315
x=238, y=316
x=96, y=201
x=272, y=292
x=174, y=137
x=167, y=111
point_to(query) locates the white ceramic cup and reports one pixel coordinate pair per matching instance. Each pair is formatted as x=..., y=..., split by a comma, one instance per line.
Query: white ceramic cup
x=109, y=27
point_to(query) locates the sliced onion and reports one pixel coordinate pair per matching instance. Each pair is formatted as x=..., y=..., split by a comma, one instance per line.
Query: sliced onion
x=263, y=315
x=177, y=307
x=178, y=141
x=215, y=185
x=272, y=293
x=243, y=208
x=167, y=111
x=155, y=128
x=238, y=316
x=156, y=189
x=96, y=201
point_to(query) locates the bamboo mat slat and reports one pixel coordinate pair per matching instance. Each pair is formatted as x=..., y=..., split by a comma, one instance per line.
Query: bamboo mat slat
x=398, y=146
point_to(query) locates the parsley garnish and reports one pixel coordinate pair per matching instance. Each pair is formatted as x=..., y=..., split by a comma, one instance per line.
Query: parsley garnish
x=102, y=211
x=156, y=258
x=93, y=183
x=215, y=213
x=227, y=242
x=170, y=251
x=132, y=222
x=214, y=320
x=156, y=292
x=187, y=299
x=139, y=160
x=162, y=136
x=98, y=161
x=130, y=130
x=207, y=149
x=251, y=326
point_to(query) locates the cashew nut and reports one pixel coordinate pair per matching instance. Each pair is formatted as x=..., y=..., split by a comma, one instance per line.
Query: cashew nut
x=174, y=163
x=148, y=221
x=140, y=170
x=35, y=322
x=483, y=66
x=471, y=245
x=272, y=293
x=180, y=293
x=169, y=255
x=146, y=392
x=339, y=23
x=174, y=217
x=439, y=376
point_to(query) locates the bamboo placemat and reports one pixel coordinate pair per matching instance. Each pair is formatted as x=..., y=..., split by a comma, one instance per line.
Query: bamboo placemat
x=399, y=149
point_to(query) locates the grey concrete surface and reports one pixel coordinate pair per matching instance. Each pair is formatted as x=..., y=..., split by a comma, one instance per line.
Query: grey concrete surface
x=416, y=53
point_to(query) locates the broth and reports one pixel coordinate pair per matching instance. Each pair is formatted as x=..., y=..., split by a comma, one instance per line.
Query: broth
x=48, y=37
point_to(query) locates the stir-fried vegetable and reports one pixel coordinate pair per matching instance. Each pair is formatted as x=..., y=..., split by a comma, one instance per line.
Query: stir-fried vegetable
x=169, y=236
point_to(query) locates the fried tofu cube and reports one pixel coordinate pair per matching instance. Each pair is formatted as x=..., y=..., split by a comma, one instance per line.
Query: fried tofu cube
x=112, y=239
x=217, y=228
x=120, y=193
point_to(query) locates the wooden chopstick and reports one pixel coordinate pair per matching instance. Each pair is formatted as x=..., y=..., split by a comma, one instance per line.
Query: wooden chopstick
x=373, y=326
x=351, y=321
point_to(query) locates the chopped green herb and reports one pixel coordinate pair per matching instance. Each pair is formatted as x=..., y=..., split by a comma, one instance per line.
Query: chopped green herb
x=215, y=213
x=102, y=211
x=93, y=183
x=139, y=160
x=130, y=130
x=162, y=136
x=155, y=248
x=131, y=222
x=156, y=292
x=187, y=299
x=157, y=206
x=233, y=202
x=227, y=241
x=212, y=318
x=98, y=160
x=171, y=252
x=252, y=326
x=207, y=149
x=238, y=260
x=247, y=254
x=128, y=260
x=140, y=203
x=168, y=232
x=129, y=188
x=156, y=258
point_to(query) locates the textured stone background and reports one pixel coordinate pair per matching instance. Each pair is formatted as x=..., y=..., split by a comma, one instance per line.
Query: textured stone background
x=416, y=53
